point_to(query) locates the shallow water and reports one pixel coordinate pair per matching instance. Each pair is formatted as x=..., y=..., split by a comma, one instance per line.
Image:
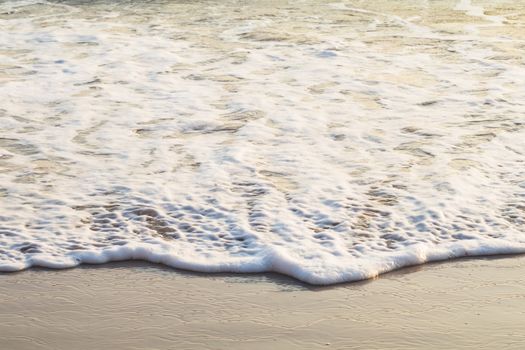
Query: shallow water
x=327, y=141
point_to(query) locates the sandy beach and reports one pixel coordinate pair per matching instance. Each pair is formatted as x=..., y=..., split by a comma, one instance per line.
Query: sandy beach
x=463, y=304
x=329, y=141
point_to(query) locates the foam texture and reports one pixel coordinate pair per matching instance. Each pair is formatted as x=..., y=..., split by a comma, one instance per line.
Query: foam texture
x=327, y=141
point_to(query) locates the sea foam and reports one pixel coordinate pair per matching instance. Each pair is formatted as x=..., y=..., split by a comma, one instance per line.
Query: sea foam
x=327, y=141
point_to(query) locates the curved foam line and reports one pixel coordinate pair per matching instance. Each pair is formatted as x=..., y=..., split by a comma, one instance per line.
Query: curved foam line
x=275, y=261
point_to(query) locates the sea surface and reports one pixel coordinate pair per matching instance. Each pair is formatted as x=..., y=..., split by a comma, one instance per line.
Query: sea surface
x=328, y=141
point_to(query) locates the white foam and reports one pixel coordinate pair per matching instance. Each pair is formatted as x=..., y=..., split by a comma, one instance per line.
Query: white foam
x=478, y=11
x=326, y=142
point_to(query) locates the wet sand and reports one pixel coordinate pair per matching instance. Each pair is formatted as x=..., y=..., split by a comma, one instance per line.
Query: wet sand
x=463, y=304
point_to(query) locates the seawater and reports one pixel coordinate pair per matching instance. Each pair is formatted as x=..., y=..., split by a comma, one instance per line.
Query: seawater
x=329, y=141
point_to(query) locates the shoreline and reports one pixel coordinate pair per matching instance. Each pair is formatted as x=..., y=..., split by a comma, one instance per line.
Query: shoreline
x=460, y=303
x=413, y=262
